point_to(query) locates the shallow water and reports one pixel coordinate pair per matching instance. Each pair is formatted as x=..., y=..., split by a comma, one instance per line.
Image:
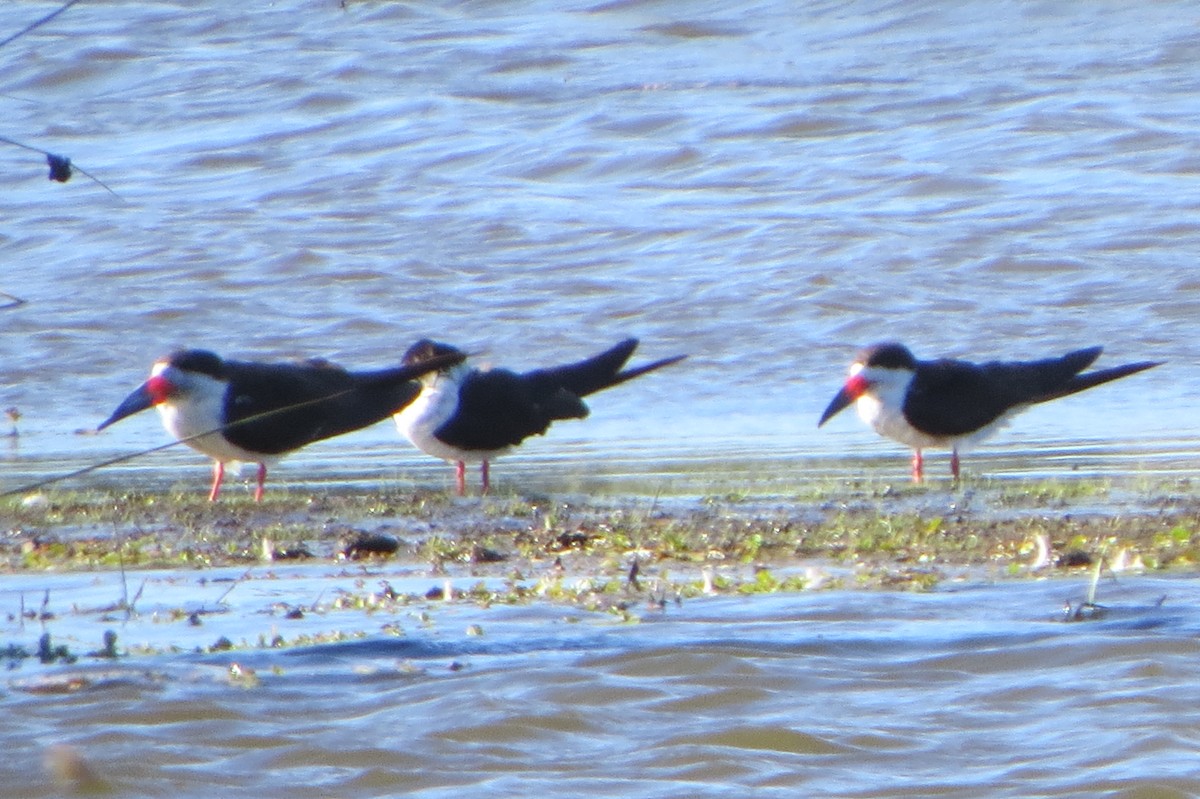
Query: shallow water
x=763, y=186
x=981, y=689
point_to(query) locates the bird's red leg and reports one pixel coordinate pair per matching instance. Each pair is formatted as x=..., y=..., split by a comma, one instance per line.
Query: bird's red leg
x=262, y=479
x=460, y=478
x=218, y=476
x=954, y=463
x=918, y=466
x=483, y=471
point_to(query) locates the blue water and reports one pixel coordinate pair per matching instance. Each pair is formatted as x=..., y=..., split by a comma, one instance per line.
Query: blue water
x=763, y=187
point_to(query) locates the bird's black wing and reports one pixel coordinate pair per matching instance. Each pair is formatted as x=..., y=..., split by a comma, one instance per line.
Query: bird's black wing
x=286, y=406
x=596, y=373
x=953, y=398
x=584, y=377
x=1037, y=381
x=499, y=408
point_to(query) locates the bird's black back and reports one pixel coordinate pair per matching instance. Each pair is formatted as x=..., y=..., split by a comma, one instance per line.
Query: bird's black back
x=950, y=398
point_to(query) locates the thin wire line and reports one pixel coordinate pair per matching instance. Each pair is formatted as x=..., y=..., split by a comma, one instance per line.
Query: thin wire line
x=39, y=22
x=122, y=458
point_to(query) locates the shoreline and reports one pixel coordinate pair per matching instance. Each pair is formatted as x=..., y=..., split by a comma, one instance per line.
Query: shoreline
x=1012, y=524
x=170, y=572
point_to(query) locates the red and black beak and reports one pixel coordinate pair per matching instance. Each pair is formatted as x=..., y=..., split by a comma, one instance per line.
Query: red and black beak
x=854, y=388
x=147, y=395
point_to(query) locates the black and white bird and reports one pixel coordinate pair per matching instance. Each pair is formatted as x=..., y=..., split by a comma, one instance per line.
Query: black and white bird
x=466, y=415
x=950, y=403
x=253, y=412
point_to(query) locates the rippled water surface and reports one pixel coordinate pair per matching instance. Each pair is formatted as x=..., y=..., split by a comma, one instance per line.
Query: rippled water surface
x=979, y=690
x=763, y=185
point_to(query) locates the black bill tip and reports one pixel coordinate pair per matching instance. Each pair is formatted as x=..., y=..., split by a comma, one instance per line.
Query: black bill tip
x=837, y=405
x=136, y=402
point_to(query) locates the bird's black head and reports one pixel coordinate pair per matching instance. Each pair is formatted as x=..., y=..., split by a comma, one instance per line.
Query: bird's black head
x=425, y=349
x=198, y=362
x=887, y=355
x=871, y=365
x=168, y=378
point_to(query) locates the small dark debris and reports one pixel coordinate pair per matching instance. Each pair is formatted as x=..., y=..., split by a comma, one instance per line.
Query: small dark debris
x=222, y=644
x=435, y=593
x=60, y=167
x=481, y=554
x=48, y=653
x=563, y=541
x=14, y=653
x=194, y=619
x=298, y=552
x=1074, y=559
x=365, y=545
x=1084, y=611
x=294, y=613
x=110, y=646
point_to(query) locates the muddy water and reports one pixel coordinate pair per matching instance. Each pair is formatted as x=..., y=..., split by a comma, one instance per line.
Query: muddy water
x=761, y=185
x=979, y=689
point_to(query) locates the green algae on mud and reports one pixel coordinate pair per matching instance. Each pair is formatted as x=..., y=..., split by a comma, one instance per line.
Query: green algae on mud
x=350, y=564
x=1010, y=526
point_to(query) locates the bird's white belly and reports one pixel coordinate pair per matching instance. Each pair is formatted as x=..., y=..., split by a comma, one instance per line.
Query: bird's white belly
x=432, y=408
x=888, y=420
x=197, y=416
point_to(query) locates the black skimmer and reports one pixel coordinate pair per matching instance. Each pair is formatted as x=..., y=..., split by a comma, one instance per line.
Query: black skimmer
x=258, y=412
x=467, y=415
x=949, y=403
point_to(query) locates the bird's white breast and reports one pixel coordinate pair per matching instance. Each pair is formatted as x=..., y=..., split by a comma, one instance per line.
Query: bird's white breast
x=432, y=408
x=196, y=409
x=882, y=407
x=888, y=420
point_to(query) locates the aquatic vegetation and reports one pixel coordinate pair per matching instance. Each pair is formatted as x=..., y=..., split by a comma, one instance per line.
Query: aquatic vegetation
x=620, y=557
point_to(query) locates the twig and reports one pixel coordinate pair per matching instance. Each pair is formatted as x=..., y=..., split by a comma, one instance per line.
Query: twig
x=235, y=584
